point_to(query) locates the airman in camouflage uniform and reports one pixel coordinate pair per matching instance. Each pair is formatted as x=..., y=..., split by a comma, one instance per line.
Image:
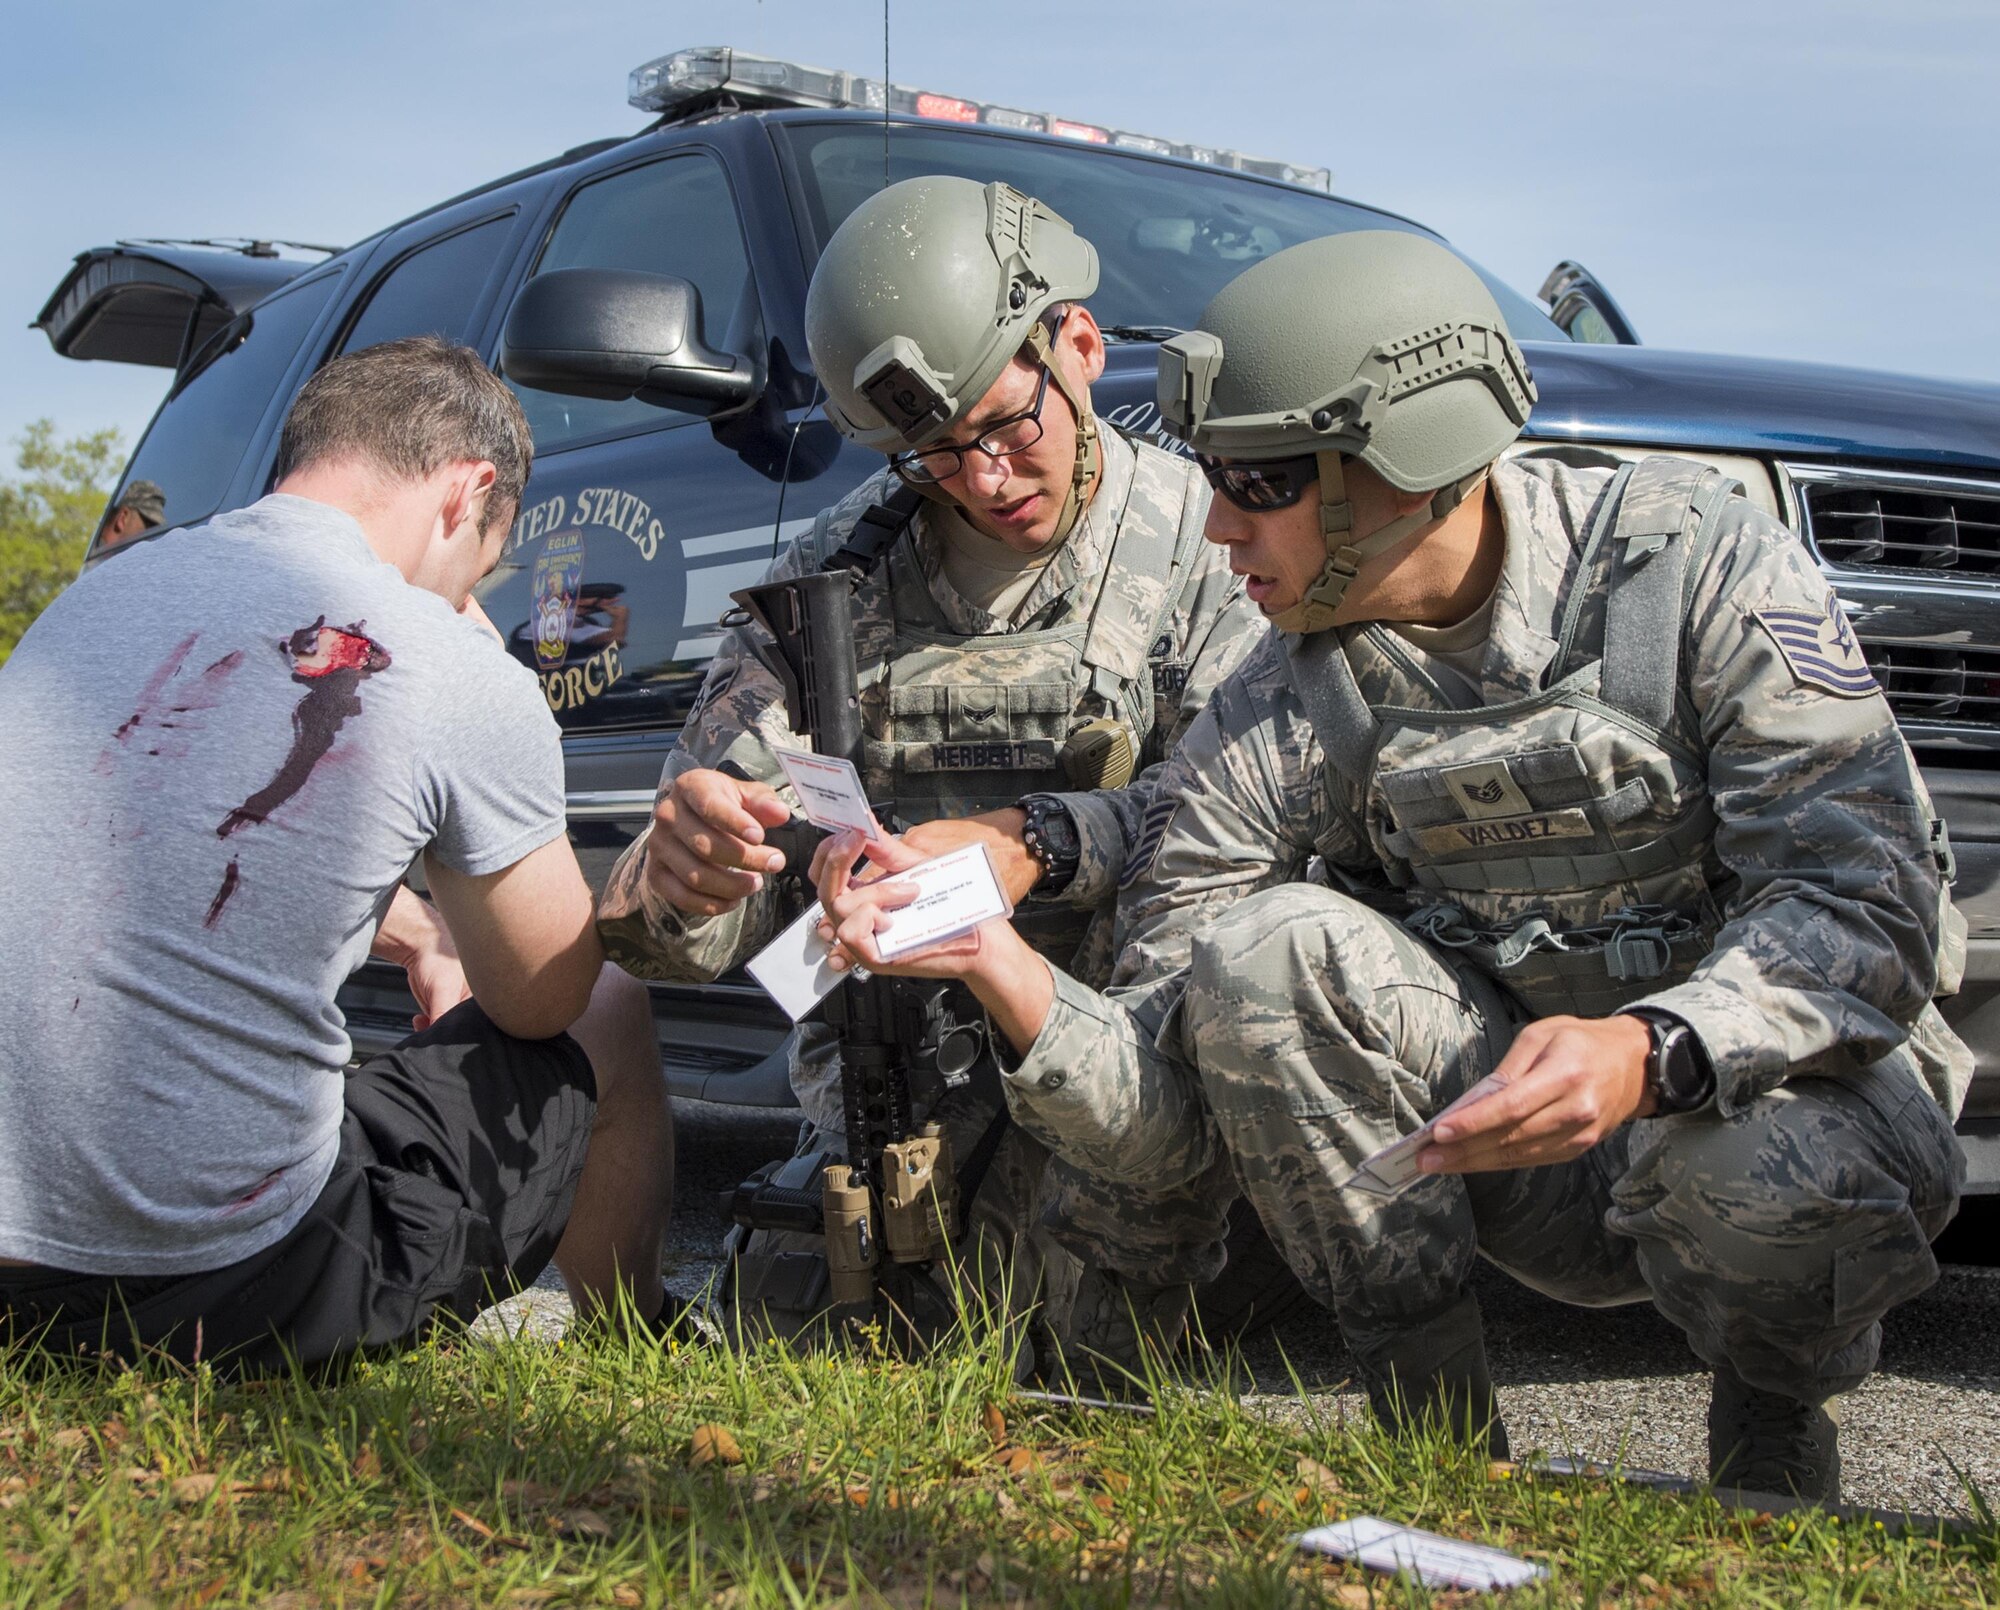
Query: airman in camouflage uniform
x=1087, y=670
x=1649, y=776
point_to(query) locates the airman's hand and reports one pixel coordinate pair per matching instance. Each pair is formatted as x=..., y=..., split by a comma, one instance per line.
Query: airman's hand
x=1565, y=1084
x=858, y=908
x=999, y=831
x=1011, y=981
x=705, y=853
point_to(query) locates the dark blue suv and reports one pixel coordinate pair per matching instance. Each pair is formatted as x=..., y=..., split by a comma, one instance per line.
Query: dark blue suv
x=646, y=511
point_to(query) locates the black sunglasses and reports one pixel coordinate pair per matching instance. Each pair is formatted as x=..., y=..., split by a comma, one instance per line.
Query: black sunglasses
x=1265, y=485
x=1260, y=487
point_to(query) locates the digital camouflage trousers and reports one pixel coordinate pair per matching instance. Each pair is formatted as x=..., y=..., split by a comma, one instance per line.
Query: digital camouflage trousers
x=1776, y=1239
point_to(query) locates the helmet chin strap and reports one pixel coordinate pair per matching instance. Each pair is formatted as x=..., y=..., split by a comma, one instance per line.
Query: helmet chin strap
x=1084, y=469
x=1314, y=611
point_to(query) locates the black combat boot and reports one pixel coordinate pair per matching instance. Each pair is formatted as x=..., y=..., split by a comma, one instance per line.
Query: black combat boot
x=1770, y=1443
x=1434, y=1374
x=1115, y=1329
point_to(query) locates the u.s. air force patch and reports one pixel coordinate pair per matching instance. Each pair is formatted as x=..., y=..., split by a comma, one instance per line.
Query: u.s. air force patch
x=1151, y=831
x=1821, y=650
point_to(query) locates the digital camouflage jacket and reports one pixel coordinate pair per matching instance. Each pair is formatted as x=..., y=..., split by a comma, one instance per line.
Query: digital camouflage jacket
x=1758, y=857
x=1135, y=619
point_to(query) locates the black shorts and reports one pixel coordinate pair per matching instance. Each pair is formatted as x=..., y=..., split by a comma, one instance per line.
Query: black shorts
x=459, y=1157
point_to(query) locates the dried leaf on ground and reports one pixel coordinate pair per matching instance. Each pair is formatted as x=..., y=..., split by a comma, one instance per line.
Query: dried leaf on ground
x=713, y=1444
x=368, y=1464
x=1019, y=1461
x=474, y=1523
x=1316, y=1476
x=192, y=1489
x=583, y=1523
x=70, y=1437
x=996, y=1425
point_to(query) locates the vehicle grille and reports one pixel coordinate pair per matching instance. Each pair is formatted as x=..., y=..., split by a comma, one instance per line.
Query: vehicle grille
x=1927, y=527
x=1960, y=684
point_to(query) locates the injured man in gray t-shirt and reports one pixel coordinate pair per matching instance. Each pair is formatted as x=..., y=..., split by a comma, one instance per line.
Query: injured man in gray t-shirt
x=221, y=752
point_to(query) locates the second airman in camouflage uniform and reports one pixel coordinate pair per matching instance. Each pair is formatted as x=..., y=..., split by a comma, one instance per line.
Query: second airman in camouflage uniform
x=1638, y=768
x=1109, y=625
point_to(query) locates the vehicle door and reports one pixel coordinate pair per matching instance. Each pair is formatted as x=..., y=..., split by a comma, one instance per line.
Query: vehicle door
x=638, y=520
x=225, y=397
x=439, y=278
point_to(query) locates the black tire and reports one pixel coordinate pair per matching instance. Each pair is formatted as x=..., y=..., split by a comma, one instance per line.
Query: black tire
x=1255, y=1290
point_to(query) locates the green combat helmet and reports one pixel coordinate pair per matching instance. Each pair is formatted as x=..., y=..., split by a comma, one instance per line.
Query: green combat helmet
x=1380, y=344
x=925, y=294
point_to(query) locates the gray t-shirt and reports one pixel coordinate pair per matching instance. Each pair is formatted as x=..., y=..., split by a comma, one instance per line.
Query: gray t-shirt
x=219, y=754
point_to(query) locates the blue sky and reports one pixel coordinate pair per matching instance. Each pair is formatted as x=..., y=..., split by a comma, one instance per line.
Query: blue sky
x=1811, y=180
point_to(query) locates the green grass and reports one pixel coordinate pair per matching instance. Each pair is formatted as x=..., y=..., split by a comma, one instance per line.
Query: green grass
x=514, y=1473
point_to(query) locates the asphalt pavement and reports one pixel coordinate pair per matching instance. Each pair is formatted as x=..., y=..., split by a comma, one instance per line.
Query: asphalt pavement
x=1601, y=1384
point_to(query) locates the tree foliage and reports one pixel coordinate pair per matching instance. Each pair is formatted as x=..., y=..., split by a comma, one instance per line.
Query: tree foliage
x=48, y=510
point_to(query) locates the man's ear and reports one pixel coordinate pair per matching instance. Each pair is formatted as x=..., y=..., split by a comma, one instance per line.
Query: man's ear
x=1083, y=343
x=467, y=488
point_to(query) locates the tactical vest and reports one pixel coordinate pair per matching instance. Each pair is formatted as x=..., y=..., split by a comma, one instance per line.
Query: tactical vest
x=1563, y=842
x=956, y=725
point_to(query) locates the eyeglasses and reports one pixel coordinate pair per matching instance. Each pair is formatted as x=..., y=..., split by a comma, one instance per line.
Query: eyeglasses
x=1014, y=434
x=1259, y=487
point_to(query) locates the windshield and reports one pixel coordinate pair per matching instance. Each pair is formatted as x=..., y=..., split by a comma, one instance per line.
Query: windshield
x=1168, y=236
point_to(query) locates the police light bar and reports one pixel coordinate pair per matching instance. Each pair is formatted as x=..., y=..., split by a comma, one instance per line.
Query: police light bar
x=689, y=81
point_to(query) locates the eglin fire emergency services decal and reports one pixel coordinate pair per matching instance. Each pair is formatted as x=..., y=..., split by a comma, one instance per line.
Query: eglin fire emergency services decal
x=558, y=573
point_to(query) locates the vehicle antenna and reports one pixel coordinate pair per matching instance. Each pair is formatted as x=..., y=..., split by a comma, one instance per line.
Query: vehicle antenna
x=785, y=477
x=885, y=94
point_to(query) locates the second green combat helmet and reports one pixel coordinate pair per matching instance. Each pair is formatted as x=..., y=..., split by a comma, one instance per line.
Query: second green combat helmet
x=1381, y=345
x=925, y=294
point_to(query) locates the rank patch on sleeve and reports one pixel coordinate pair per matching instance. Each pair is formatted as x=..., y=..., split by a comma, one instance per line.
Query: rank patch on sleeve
x=1151, y=832
x=1820, y=648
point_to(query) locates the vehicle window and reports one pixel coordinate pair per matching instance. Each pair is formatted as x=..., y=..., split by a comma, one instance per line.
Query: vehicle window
x=1168, y=237
x=198, y=437
x=670, y=217
x=431, y=291
x=1589, y=325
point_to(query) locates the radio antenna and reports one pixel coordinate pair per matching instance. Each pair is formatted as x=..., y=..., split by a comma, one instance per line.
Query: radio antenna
x=885, y=94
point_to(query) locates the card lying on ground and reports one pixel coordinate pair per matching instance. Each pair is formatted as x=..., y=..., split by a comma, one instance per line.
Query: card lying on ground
x=1393, y=1170
x=1437, y=1562
x=955, y=894
x=830, y=791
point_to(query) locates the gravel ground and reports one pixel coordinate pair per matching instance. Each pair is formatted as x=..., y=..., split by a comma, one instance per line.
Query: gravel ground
x=1595, y=1383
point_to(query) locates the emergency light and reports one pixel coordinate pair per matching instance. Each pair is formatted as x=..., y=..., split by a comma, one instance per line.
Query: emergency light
x=695, y=79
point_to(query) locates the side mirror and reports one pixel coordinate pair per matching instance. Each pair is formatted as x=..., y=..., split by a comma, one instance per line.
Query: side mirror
x=616, y=333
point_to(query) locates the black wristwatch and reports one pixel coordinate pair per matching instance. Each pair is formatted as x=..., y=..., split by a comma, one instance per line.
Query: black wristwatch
x=1677, y=1069
x=1053, y=841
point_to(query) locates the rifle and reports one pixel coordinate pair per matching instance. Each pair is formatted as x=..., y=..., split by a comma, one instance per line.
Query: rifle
x=903, y=1042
